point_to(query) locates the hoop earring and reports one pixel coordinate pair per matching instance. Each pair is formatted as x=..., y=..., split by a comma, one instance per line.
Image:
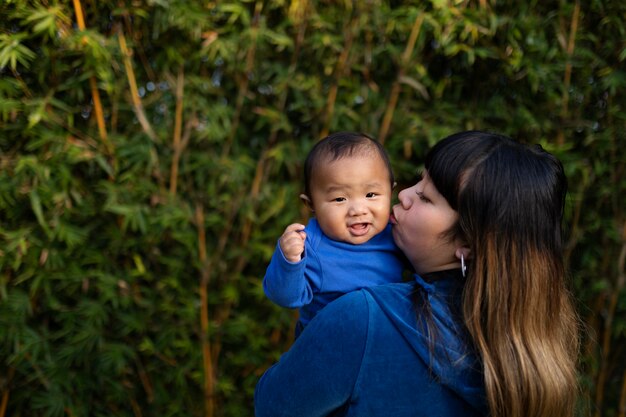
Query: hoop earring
x=463, y=266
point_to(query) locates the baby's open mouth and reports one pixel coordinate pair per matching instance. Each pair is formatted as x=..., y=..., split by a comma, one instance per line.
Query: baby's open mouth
x=359, y=229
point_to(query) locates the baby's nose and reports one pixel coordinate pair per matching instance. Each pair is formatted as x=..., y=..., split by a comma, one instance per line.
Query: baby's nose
x=357, y=208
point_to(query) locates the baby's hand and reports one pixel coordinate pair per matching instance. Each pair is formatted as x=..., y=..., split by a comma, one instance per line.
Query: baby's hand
x=292, y=242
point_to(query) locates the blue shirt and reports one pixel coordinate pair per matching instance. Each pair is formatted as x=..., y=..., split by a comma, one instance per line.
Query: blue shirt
x=371, y=353
x=330, y=269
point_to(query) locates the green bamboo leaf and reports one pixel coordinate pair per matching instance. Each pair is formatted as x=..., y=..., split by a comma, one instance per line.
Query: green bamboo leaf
x=416, y=85
x=70, y=234
x=49, y=402
x=44, y=20
x=104, y=164
x=35, y=203
x=12, y=51
x=279, y=39
x=8, y=107
x=236, y=12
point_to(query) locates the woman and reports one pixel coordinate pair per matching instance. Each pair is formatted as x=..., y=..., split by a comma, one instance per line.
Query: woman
x=487, y=326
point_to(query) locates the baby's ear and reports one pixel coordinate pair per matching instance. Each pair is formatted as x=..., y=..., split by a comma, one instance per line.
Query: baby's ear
x=307, y=202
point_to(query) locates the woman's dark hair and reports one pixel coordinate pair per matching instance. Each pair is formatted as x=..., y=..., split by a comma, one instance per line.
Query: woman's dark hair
x=517, y=309
x=341, y=145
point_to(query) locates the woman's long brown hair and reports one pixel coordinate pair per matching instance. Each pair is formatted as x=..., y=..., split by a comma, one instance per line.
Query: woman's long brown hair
x=516, y=305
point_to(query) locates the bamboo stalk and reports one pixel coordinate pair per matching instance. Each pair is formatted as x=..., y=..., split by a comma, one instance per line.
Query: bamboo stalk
x=243, y=88
x=302, y=20
x=102, y=130
x=5, y=401
x=82, y=136
x=622, y=398
x=212, y=352
x=134, y=91
x=339, y=71
x=40, y=374
x=571, y=44
x=395, y=89
x=262, y=163
x=140, y=50
x=207, y=360
x=178, y=126
x=224, y=311
x=22, y=83
x=575, y=223
x=137, y=104
x=80, y=20
x=367, y=67
x=136, y=408
x=95, y=94
x=6, y=392
x=263, y=166
x=145, y=381
x=282, y=103
x=608, y=327
x=591, y=330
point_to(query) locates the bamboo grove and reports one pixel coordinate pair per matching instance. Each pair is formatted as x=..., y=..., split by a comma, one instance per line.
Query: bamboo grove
x=151, y=154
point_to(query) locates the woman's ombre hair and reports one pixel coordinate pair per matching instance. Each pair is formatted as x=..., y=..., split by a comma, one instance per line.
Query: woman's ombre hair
x=516, y=305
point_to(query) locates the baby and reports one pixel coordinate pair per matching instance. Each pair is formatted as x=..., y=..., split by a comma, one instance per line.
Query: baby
x=348, y=244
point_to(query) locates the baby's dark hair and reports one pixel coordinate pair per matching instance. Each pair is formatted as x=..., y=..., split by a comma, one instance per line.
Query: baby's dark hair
x=341, y=145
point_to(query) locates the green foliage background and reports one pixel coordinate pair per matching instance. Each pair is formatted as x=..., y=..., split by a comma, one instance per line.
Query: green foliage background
x=150, y=156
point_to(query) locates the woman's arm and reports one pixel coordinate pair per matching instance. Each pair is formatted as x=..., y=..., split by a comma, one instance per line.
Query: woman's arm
x=318, y=374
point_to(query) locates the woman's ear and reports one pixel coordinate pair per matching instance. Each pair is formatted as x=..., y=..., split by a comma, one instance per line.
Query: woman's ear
x=463, y=250
x=307, y=202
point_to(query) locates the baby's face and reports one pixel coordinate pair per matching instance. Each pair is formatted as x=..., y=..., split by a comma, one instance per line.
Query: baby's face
x=351, y=198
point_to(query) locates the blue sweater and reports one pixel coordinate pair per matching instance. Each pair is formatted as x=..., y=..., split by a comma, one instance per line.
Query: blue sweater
x=369, y=353
x=330, y=269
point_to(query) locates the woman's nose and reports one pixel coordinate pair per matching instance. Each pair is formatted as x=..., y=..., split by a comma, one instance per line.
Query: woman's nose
x=404, y=198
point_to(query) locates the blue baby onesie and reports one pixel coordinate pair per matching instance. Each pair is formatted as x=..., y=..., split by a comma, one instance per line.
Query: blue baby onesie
x=330, y=269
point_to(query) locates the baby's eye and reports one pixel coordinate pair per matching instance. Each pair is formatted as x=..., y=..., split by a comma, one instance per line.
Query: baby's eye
x=339, y=199
x=370, y=195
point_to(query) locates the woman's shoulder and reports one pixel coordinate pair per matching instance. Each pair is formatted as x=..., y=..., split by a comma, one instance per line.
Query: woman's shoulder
x=386, y=319
x=355, y=309
x=397, y=294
